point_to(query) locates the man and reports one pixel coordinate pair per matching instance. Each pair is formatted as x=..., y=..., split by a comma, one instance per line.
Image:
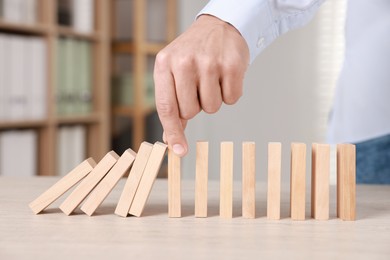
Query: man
x=205, y=67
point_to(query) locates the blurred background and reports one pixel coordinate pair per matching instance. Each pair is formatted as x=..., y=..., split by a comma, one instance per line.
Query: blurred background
x=76, y=81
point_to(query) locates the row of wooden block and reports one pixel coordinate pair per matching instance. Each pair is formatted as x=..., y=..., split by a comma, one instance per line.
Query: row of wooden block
x=98, y=180
x=346, y=181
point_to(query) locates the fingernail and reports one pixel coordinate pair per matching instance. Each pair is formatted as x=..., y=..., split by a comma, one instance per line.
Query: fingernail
x=178, y=149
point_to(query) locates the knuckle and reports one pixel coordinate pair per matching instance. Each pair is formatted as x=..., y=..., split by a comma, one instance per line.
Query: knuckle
x=165, y=109
x=232, y=70
x=188, y=114
x=211, y=109
x=209, y=66
x=172, y=134
x=185, y=62
x=162, y=60
x=231, y=99
x=213, y=106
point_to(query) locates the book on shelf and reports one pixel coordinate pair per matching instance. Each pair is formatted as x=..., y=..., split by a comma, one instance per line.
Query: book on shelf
x=83, y=15
x=19, y=11
x=18, y=153
x=155, y=20
x=17, y=91
x=123, y=21
x=23, y=82
x=78, y=14
x=3, y=65
x=71, y=146
x=64, y=12
x=85, y=77
x=74, y=77
x=123, y=92
x=35, y=75
x=1, y=8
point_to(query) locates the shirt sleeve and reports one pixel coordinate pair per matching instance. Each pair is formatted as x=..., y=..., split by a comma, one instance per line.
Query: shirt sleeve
x=260, y=22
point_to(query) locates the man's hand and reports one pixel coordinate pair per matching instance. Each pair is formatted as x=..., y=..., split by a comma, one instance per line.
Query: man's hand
x=199, y=70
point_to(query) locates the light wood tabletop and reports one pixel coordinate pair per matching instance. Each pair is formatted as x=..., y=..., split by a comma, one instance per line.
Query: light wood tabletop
x=53, y=235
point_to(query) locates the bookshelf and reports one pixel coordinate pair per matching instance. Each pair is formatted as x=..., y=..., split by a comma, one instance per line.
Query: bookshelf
x=151, y=26
x=97, y=120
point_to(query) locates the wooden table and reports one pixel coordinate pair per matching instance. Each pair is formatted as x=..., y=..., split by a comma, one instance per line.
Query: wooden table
x=52, y=235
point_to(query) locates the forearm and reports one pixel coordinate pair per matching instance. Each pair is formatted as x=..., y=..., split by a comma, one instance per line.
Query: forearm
x=260, y=22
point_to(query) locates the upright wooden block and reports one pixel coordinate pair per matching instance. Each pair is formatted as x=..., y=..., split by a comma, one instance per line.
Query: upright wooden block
x=226, y=180
x=201, y=179
x=298, y=181
x=150, y=173
x=274, y=180
x=320, y=181
x=248, y=180
x=62, y=186
x=174, y=185
x=104, y=187
x=346, y=181
x=132, y=182
x=89, y=183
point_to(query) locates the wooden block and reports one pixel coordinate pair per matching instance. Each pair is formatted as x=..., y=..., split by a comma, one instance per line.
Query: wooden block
x=62, y=186
x=320, y=181
x=298, y=181
x=226, y=182
x=201, y=179
x=150, y=173
x=174, y=185
x=89, y=183
x=104, y=187
x=249, y=180
x=133, y=180
x=346, y=181
x=274, y=180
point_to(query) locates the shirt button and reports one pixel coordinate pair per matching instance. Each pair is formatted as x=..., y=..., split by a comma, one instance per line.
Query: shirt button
x=260, y=42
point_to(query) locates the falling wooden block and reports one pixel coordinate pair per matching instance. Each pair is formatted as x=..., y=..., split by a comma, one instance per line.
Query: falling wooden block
x=248, y=180
x=274, y=180
x=150, y=173
x=201, y=179
x=226, y=182
x=62, y=186
x=104, y=187
x=298, y=181
x=320, y=181
x=133, y=180
x=89, y=183
x=174, y=189
x=346, y=181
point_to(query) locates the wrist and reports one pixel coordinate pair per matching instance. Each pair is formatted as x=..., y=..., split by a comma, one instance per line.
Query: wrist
x=209, y=19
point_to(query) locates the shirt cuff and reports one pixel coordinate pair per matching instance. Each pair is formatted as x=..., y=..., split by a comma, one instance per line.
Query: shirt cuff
x=253, y=19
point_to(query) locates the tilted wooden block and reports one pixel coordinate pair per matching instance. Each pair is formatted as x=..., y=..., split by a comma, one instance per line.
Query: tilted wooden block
x=62, y=186
x=298, y=181
x=320, y=181
x=248, y=180
x=226, y=180
x=174, y=185
x=133, y=180
x=147, y=180
x=104, y=187
x=346, y=181
x=201, y=179
x=274, y=180
x=89, y=183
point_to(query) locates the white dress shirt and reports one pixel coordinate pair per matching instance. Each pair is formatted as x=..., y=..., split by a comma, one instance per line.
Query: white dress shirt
x=361, y=109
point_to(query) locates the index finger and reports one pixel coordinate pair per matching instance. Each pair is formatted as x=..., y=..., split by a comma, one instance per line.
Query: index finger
x=168, y=109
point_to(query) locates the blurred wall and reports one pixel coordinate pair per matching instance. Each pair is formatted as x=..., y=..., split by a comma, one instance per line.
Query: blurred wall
x=279, y=102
